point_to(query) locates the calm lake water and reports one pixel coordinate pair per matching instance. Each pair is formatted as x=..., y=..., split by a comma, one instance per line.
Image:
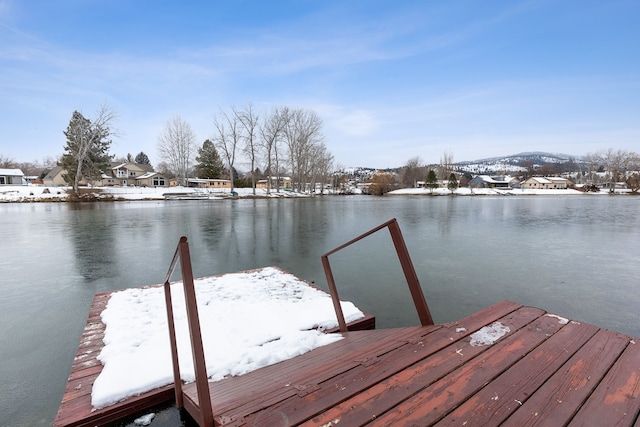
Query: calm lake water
x=576, y=256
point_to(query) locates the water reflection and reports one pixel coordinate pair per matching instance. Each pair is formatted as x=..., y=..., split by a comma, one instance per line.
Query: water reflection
x=576, y=256
x=94, y=244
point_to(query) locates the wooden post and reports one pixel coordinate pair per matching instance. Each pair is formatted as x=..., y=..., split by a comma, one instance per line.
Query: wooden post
x=410, y=274
x=202, y=382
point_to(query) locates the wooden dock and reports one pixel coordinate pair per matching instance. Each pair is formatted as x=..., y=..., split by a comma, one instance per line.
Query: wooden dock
x=75, y=408
x=545, y=371
x=505, y=365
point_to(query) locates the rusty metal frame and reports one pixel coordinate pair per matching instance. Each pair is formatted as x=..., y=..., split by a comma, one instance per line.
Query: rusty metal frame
x=205, y=414
x=407, y=268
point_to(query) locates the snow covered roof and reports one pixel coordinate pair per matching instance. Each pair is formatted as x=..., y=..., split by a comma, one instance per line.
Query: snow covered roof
x=11, y=172
x=539, y=180
x=148, y=175
x=119, y=165
x=495, y=179
x=207, y=180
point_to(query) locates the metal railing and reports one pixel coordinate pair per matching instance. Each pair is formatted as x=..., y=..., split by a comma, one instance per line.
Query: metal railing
x=407, y=267
x=204, y=417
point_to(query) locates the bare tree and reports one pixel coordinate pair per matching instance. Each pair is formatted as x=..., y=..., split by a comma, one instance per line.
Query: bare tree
x=249, y=121
x=446, y=165
x=616, y=162
x=227, y=138
x=529, y=167
x=6, y=162
x=413, y=171
x=381, y=183
x=302, y=132
x=320, y=166
x=87, y=148
x=271, y=133
x=176, y=145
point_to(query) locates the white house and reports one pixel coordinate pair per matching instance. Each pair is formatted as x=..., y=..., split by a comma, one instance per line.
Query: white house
x=12, y=177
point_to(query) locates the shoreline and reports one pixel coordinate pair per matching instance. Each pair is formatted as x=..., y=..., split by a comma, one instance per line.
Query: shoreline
x=40, y=194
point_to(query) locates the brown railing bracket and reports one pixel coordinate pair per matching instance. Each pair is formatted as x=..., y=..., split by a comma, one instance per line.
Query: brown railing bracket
x=200, y=367
x=407, y=268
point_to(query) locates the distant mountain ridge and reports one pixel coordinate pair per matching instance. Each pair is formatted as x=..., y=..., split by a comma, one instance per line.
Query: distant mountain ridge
x=518, y=162
x=492, y=165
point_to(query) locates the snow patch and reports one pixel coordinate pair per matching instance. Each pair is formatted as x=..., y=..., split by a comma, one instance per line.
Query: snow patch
x=145, y=420
x=248, y=320
x=489, y=334
x=561, y=320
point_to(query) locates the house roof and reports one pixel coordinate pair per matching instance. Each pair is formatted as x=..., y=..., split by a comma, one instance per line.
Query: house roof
x=207, y=180
x=495, y=179
x=11, y=172
x=131, y=165
x=147, y=175
x=547, y=179
x=539, y=180
x=54, y=172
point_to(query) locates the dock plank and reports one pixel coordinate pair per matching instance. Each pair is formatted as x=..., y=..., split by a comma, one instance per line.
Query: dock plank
x=560, y=397
x=441, y=397
x=495, y=402
x=298, y=408
x=616, y=399
x=441, y=352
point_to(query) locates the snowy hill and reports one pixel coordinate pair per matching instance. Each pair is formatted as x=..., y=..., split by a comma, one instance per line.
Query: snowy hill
x=518, y=162
x=506, y=164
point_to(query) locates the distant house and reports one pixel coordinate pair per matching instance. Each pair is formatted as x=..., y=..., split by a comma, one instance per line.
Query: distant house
x=124, y=174
x=215, y=184
x=277, y=183
x=546, y=183
x=612, y=186
x=55, y=178
x=152, y=179
x=487, y=181
x=12, y=177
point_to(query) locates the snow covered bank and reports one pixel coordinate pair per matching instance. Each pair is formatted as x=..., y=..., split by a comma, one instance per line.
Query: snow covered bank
x=33, y=193
x=248, y=320
x=485, y=192
x=28, y=193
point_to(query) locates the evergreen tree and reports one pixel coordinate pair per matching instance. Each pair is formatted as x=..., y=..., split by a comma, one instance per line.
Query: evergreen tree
x=208, y=162
x=452, y=185
x=142, y=159
x=432, y=180
x=87, y=149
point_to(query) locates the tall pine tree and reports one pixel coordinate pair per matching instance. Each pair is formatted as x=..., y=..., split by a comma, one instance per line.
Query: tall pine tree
x=87, y=149
x=142, y=159
x=208, y=162
x=432, y=180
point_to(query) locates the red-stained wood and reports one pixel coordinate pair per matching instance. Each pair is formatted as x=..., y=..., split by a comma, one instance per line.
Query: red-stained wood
x=557, y=401
x=616, y=399
x=75, y=407
x=505, y=394
x=544, y=371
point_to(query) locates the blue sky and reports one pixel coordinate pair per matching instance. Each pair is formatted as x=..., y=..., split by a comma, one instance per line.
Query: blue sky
x=391, y=80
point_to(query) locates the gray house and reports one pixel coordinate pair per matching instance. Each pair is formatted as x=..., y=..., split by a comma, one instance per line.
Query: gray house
x=486, y=181
x=12, y=177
